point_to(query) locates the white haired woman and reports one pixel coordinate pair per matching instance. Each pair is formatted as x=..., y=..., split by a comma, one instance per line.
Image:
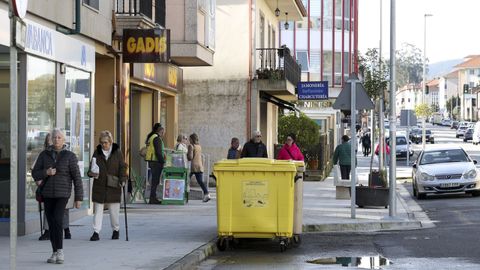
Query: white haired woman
x=109, y=177
x=57, y=170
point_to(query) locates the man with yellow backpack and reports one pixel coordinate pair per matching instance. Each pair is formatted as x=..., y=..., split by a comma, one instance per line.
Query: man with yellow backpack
x=156, y=158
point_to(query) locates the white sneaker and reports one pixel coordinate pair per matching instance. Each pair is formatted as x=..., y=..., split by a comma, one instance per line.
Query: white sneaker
x=52, y=258
x=206, y=198
x=59, y=256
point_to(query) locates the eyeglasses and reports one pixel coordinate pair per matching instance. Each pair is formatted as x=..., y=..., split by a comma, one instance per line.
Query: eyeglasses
x=258, y=136
x=104, y=142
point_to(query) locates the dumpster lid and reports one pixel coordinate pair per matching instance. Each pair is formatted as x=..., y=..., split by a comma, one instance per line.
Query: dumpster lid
x=254, y=164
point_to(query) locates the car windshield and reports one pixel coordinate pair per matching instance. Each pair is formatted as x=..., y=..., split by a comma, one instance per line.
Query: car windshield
x=401, y=141
x=444, y=156
x=428, y=132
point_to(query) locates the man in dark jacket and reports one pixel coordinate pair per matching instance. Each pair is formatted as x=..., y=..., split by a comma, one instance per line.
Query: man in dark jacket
x=255, y=147
x=156, y=159
x=343, y=155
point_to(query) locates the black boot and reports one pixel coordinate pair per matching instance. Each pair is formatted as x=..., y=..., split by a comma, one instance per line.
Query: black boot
x=44, y=236
x=67, y=234
x=115, y=235
x=95, y=237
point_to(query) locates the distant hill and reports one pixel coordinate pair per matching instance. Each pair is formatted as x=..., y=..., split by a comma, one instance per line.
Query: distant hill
x=442, y=68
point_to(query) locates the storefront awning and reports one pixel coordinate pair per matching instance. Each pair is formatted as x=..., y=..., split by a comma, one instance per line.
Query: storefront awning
x=277, y=101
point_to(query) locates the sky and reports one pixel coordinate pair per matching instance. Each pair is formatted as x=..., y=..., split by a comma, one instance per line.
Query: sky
x=452, y=31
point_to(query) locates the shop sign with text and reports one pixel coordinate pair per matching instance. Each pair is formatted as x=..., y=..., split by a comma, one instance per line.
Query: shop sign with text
x=146, y=45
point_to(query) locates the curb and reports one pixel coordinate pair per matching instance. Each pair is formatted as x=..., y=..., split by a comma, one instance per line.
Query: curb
x=192, y=259
x=363, y=227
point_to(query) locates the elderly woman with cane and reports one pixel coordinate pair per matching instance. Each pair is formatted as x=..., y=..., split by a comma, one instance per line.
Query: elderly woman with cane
x=57, y=170
x=109, y=171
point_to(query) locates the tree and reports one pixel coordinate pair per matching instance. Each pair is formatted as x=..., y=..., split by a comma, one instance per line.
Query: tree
x=304, y=128
x=423, y=110
x=409, y=64
x=375, y=75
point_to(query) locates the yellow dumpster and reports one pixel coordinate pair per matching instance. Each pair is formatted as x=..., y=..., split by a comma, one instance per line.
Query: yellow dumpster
x=255, y=199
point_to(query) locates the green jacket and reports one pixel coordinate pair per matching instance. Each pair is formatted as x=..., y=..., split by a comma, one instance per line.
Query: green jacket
x=342, y=154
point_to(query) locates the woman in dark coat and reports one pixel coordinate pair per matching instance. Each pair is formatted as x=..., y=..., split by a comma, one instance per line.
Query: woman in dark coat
x=109, y=171
x=57, y=170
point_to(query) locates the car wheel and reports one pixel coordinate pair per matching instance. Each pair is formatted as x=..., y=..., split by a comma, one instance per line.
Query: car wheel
x=432, y=142
x=456, y=136
x=414, y=190
x=464, y=140
x=475, y=193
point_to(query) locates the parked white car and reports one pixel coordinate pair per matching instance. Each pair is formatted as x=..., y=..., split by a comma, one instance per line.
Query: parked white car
x=443, y=170
x=476, y=133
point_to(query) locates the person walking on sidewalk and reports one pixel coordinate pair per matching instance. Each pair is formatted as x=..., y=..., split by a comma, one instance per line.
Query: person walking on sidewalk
x=255, y=147
x=290, y=149
x=386, y=149
x=234, y=151
x=58, y=169
x=181, y=145
x=66, y=214
x=194, y=155
x=156, y=159
x=366, y=144
x=342, y=156
x=109, y=176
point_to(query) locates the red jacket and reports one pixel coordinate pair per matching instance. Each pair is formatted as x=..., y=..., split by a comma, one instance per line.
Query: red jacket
x=290, y=152
x=385, y=146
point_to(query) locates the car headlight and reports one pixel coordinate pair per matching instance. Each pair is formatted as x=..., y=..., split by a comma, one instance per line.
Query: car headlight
x=427, y=177
x=470, y=174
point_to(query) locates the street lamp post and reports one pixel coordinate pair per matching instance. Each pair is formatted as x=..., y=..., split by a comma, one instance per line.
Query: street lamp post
x=424, y=86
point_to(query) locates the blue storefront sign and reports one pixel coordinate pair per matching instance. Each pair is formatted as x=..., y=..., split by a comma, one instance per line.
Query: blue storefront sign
x=313, y=90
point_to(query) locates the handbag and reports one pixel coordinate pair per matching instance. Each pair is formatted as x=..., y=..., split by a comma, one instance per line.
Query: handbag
x=38, y=193
x=113, y=181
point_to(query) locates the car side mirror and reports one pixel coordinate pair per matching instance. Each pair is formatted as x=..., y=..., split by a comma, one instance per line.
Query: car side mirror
x=474, y=161
x=414, y=165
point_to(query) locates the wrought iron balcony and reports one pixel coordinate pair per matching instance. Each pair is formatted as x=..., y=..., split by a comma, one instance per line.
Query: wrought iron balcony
x=150, y=10
x=277, y=64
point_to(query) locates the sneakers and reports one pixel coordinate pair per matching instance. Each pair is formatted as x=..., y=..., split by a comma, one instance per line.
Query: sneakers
x=67, y=234
x=44, y=236
x=206, y=198
x=59, y=256
x=53, y=258
x=115, y=235
x=95, y=237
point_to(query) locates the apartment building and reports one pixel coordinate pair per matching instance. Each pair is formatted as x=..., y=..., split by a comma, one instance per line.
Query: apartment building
x=252, y=76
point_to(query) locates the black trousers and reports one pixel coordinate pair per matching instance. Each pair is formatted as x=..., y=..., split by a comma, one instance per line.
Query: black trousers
x=345, y=171
x=55, y=210
x=157, y=169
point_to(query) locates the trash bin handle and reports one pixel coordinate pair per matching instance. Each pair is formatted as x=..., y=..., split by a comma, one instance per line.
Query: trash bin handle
x=297, y=177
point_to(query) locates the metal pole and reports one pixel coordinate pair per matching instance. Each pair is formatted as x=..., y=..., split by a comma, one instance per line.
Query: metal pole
x=393, y=141
x=353, y=143
x=381, y=137
x=424, y=76
x=408, y=137
x=13, y=142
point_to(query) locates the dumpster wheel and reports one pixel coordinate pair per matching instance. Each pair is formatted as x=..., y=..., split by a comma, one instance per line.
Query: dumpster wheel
x=284, y=242
x=223, y=243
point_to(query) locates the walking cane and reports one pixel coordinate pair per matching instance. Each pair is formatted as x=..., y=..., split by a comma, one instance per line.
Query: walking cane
x=125, y=209
x=40, y=212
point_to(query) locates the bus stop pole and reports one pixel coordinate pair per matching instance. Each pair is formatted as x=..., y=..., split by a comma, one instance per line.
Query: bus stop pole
x=13, y=141
x=353, y=144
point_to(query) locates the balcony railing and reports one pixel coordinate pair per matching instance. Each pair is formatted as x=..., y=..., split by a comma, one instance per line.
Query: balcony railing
x=278, y=64
x=135, y=7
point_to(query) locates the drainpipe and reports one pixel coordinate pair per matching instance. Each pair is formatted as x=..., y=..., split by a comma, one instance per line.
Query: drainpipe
x=70, y=31
x=251, y=57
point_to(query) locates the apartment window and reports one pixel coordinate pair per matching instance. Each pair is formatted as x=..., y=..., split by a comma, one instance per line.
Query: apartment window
x=273, y=37
x=160, y=12
x=269, y=40
x=262, y=32
x=472, y=71
x=92, y=3
x=302, y=59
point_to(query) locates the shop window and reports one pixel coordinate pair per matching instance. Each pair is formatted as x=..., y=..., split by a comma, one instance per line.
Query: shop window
x=40, y=117
x=92, y=3
x=78, y=119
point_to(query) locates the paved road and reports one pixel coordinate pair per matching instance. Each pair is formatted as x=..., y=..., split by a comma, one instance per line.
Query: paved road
x=451, y=244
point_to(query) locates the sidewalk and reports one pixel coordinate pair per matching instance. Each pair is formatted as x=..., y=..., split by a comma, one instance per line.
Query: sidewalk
x=176, y=237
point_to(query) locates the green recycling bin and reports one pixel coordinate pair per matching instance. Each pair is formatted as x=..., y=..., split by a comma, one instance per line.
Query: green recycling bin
x=175, y=187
